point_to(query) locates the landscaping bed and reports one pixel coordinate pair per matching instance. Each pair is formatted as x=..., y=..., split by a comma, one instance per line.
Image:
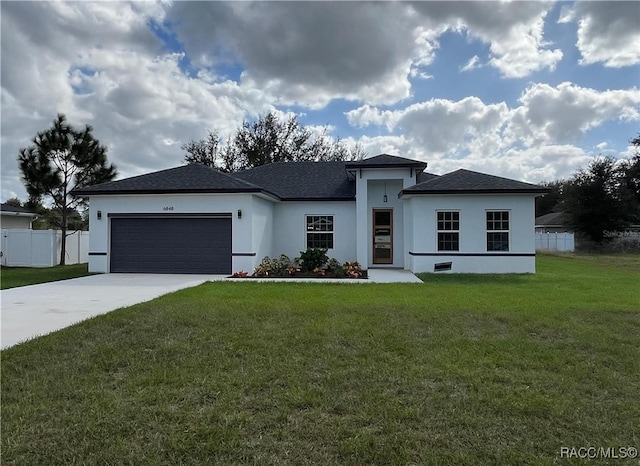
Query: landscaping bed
x=312, y=263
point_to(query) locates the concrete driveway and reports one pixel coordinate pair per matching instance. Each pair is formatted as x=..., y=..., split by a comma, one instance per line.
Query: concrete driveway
x=35, y=310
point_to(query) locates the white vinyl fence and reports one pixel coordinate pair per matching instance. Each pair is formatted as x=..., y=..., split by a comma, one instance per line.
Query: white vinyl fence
x=555, y=242
x=41, y=248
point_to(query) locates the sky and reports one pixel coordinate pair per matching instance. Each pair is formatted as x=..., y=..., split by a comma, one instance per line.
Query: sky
x=526, y=90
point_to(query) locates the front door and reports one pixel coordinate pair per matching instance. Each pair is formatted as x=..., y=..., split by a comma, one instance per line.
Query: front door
x=382, y=236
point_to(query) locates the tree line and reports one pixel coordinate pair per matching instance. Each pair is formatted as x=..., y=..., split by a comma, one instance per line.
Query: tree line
x=268, y=139
x=604, y=196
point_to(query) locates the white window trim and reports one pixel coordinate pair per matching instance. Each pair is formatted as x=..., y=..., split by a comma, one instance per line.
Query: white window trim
x=332, y=232
x=487, y=231
x=438, y=231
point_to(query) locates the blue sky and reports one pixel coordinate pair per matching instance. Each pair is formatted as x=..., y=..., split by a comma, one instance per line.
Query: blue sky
x=527, y=90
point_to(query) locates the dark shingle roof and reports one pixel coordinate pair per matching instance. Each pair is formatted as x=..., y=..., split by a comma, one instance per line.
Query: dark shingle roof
x=466, y=181
x=193, y=178
x=387, y=161
x=14, y=209
x=551, y=219
x=424, y=176
x=303, y=180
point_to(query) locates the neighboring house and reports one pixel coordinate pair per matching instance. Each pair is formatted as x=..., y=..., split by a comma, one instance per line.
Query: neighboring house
x=382, y=211
x=553, y=222
x=12, y=217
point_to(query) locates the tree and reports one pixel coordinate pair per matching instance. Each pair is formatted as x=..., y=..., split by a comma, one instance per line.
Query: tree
x=593, y=200
x=60, y=160
x=14, y=201
x=630, y=181
x=550, y=202
x=267, y=140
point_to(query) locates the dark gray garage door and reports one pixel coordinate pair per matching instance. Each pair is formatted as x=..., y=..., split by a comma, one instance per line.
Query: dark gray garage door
x=171, y=245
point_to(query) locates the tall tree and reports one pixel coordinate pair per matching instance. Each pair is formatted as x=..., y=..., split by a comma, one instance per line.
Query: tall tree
x=593, y=202
x=630, y=180
x=60, y=160
x=550, y=202
x=268, y=139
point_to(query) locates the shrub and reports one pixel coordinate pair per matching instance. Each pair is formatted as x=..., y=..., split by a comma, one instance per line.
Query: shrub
x=353, y=269
x=334, y=266
x=313, y=258
x=274, y=267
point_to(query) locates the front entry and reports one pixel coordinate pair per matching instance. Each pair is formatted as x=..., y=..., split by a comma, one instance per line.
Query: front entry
x=382, y=236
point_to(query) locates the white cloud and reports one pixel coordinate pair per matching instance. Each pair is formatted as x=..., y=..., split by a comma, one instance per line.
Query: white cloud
x=608, y=32
x=566, y=112
x=513, y=30
x=472, y=64
x=530, y=141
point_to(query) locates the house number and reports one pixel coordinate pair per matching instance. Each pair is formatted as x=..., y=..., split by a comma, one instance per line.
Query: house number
x=167, y=207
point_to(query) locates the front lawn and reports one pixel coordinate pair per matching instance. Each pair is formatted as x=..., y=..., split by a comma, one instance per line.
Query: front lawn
x=459, y=370
x=11, y=277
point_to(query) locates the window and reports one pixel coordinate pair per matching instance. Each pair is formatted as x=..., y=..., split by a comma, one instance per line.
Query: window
x=320, y=231
x=498, y=231
x=448, y=231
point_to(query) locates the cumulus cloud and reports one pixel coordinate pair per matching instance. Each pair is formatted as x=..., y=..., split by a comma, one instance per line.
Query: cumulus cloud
x=530, y=141
x=513, y=30
x=564, y=113
x=308, y=52
x=608, y=32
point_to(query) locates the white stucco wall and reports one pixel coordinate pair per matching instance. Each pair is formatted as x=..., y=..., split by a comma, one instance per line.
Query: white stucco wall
x=13, y=221
x=245, y=238
x=290, y=229
x=472, y=210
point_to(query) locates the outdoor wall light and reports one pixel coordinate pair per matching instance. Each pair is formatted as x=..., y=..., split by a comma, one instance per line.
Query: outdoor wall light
x=99, y=215
x=385, y=198
x=239, y=213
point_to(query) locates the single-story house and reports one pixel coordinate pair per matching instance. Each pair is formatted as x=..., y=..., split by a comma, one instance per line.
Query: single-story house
x=384, y=211
x=553, y=222
x=13, y=217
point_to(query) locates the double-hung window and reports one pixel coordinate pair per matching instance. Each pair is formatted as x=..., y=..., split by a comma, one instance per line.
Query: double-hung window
x=498, y=230
x=448, y=231
x=320, y=231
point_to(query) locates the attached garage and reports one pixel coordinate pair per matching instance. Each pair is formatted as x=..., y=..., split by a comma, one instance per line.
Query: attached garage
x=171, y=244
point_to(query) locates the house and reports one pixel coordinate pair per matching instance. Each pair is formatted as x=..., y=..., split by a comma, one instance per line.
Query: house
x=12, y=217
x=383, y=211
x=553, y=222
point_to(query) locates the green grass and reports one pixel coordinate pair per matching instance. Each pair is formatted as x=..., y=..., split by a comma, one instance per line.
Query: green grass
x=11, y=277
x=459, y=370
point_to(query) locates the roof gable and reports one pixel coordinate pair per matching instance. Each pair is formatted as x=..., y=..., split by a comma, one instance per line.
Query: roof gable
x=467, y=181
x=192, y=178
x=387, y=161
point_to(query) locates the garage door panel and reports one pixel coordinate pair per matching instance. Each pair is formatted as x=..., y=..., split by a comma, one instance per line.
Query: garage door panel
x=171, y=245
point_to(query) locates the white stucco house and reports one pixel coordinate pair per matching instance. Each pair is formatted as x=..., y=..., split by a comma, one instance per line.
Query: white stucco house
x=384, y=211
x=12, y=217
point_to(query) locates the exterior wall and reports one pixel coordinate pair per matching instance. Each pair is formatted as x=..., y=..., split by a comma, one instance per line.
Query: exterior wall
x=262, y=226
x=369, y=192
x=290, y=231
x=242, y=229
x=15, y=221
x=473, y=256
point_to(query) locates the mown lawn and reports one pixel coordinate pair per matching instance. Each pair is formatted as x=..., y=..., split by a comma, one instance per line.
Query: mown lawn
x=459, y=370
x=11, y=277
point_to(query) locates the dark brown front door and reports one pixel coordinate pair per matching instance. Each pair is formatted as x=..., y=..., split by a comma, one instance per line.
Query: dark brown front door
x=382, y=236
